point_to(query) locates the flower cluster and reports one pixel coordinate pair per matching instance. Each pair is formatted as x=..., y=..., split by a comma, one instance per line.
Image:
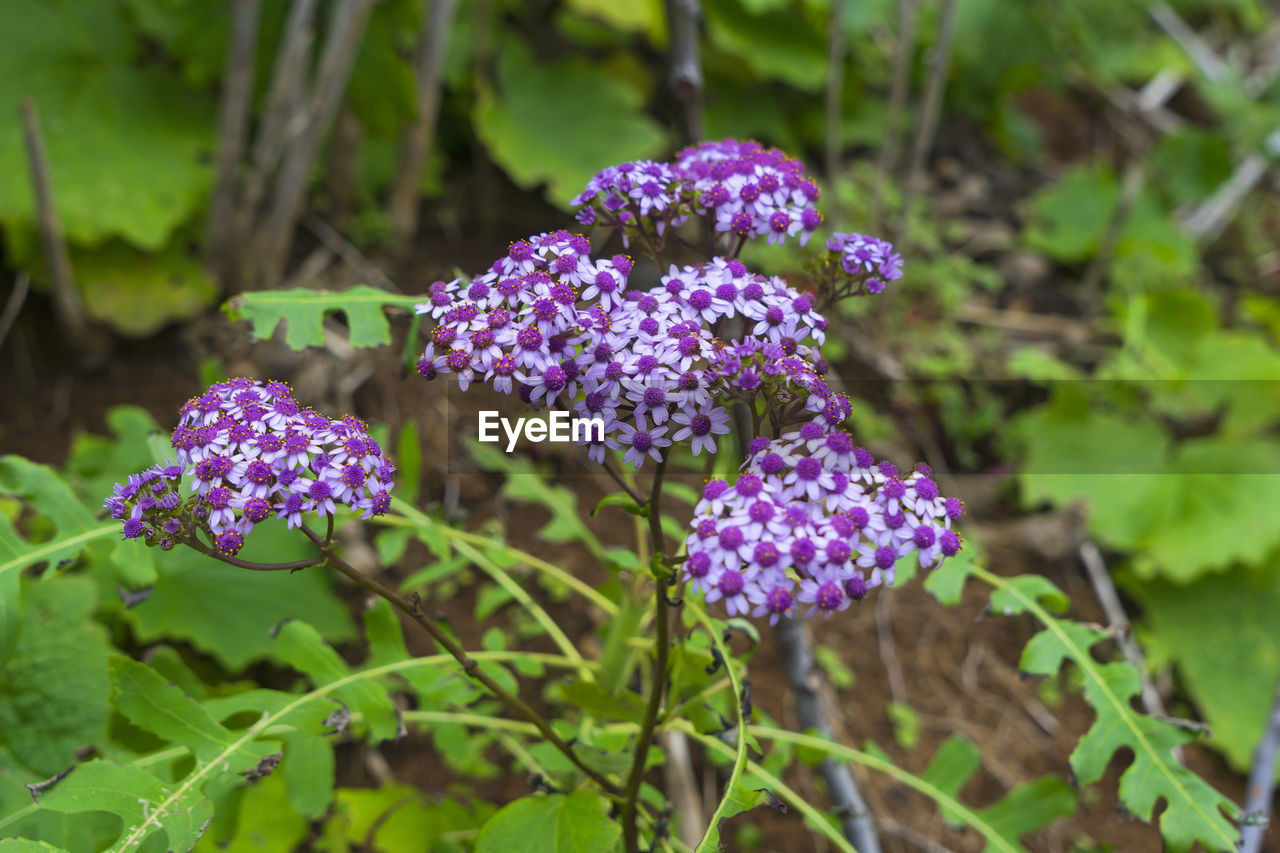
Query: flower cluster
x=740, y=188
x=150, y=506
x=251, y=451
x=814, y=520
x=549, y=323
x=751, y=191
x=868, y=262
x=516, y=325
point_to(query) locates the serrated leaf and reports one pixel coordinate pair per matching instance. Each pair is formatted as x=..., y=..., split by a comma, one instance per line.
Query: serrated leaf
x=53, y=683
x=303, y=312
x=150, y=702
x=302, y=647
x=523, y=124
x=572, y=823
x=1195, y=811
x=142, y=801
x=74, y=528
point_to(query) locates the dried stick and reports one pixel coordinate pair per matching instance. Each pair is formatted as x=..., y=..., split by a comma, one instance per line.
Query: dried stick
x=939, y=63
x=856, y=821
x=1100, y=578
x=13, y=305
x=902, y=55
x=416, y=141
x=836, y=50
x=278, y=119
x=1257, y=803
x=682, y=787
x=686, y=67
x=90, y=344
x=1209, y=219
x=335, y=242
x=233, y=129
x=889, y=648
x=345, y=34
x=1177, y=29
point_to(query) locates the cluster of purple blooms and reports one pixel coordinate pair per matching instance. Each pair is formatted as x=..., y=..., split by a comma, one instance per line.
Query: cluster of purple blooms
x=251, y=452
x=561, y=330
x=867, y=264
x=740, y=188
x=814, y=520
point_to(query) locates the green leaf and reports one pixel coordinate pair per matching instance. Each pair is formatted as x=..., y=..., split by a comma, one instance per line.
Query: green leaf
x=74, y=528
x=572, y=823
x=1223, y=635
x=142, y=801
x=265, y=821
x=906, y=724
x=559, y=122
x=128, y=143
x=1069, y=218
x=524, y=483
x=1195, y=811
x=137, y=293
x=1000, y=824
x=53, y=683
x=303, y=312
x=308, y=772
x=601, y=702
x=150, y=702
x=25, y=845
x=229, y=612
x=302, y=647
x=778, y=45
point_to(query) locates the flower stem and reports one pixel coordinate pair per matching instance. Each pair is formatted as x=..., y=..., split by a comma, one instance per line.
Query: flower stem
x=631, y=834
x=412, y=610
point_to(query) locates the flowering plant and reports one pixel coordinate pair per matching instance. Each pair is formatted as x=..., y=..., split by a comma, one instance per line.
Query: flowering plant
x=685, y=356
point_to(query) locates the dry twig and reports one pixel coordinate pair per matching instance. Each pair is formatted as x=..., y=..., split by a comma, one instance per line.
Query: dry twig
x=1261, y=786
x=856, y=820
x=233, y=129
x=417, y=139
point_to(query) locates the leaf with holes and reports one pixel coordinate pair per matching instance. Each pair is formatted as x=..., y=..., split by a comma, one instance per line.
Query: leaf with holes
x=303, y=311
x=1195, y=812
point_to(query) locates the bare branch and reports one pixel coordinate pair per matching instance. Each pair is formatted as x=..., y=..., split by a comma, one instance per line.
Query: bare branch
x=233, y=128
x=939, y=63
x=345, y=34
x=836, y=52
x=1100, y=578
x=13, y=305
x=898, y=88
x=68, y=305
x=1201, y=54
x=290, y=70
x=856, y=821
x=417, y=139
x=686, y=66
x=1261, y=787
